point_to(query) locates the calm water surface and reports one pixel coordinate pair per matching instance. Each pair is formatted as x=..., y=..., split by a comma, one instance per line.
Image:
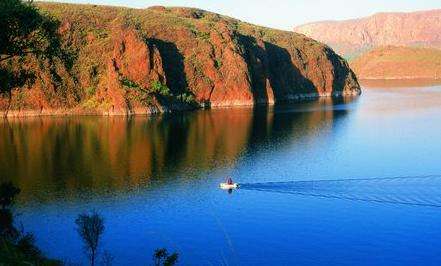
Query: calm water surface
x=155, y=182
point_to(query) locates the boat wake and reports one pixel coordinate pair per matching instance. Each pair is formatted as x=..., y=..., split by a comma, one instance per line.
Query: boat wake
x=407, y=190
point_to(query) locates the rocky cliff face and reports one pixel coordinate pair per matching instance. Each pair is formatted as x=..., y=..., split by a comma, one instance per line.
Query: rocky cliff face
x=122, y=61
x=351, y=37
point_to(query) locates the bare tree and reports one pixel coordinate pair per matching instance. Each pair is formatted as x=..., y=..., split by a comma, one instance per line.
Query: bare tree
x=90, y=227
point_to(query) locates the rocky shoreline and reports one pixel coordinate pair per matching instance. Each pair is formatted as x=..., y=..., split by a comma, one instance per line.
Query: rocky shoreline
x=158, y=110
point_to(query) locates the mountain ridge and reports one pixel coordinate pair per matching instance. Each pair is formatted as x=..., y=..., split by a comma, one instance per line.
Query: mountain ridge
x=139, y=61
x=353, y=36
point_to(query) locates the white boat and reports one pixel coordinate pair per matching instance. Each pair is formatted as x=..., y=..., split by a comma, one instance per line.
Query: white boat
x=227, y=186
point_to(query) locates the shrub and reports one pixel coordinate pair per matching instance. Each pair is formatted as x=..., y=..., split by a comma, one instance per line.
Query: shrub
x=8, y=192
x=90, y=91
x=217, y=63
x=186, y=98
x=203, y=35
x=129, y=83
x=158, y=87
x=16, y=246
x=91, y=103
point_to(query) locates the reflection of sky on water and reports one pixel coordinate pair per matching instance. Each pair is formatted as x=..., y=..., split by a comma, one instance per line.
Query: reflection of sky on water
x=155, y=180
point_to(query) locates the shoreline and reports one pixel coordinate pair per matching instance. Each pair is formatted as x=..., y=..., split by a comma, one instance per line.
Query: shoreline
x=150, y=111
x=397, y=83
x=401, y=78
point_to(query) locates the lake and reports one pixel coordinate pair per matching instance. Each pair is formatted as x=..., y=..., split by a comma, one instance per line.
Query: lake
x=342, y=182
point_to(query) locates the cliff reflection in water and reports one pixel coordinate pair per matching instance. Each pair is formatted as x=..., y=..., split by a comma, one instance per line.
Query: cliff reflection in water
x=60, y=157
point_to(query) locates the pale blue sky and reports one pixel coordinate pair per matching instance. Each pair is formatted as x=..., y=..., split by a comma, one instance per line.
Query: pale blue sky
x=284, y=14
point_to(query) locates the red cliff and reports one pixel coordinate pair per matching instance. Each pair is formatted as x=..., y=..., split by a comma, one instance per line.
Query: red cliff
x=122, y=61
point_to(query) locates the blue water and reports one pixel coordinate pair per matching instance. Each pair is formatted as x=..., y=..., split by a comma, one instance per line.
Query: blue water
x=155, y=182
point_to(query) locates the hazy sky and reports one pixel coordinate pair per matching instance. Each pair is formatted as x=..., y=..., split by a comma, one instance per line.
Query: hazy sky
x=284, y=14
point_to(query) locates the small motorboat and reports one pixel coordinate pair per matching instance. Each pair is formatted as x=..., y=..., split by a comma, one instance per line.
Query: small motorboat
x=229, y=184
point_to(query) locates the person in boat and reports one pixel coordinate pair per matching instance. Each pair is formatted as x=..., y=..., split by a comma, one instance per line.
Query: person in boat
x=229, y=181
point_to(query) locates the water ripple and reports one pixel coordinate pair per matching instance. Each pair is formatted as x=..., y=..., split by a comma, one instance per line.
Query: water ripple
x=404, y=190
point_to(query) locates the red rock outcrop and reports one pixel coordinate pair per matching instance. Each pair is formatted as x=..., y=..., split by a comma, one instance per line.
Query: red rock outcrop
x=125, y=61
x=135, y=60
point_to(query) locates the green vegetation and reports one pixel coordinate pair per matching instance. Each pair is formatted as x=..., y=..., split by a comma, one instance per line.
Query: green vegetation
x=137, y=92
x=24, y=31
x=197, y=65
x=90, y=91
x=218, y=63
x=187, y=98
x=8, y=192
x=129, y=84
x=156, y=89
x=99, y=33
x=205, y=36
x=16, y=246
x=160, y=89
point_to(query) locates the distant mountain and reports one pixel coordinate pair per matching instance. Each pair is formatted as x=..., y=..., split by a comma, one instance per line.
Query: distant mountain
x=352, y=37
x=393, y=62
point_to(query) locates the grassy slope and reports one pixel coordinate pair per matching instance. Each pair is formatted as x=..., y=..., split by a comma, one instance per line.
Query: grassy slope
x=201, y=38
x=187, y=28
x=392, y=62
